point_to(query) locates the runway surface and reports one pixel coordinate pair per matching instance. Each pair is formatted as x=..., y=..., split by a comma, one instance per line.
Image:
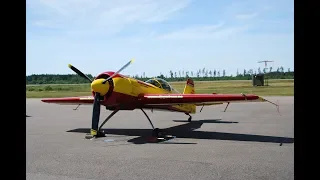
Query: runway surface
x=242, y=143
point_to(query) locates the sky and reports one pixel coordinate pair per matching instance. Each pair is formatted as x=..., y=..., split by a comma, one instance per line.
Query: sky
x=160, y=35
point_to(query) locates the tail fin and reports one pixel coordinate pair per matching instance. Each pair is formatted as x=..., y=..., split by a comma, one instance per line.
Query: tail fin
x=189, y=89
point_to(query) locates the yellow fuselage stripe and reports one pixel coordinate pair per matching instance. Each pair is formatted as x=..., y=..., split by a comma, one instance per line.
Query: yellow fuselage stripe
x=132, y=87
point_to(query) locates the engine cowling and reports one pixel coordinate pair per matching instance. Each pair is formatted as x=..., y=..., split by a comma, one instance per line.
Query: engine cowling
x=106, y=75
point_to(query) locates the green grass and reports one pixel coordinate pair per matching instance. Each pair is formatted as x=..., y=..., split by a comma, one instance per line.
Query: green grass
x=276, y=88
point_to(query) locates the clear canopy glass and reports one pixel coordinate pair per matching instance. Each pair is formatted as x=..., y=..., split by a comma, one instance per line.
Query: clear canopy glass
x=161, y=83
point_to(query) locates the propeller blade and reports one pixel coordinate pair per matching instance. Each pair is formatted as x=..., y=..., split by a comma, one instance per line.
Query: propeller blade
x=96, y=112
x=79, y=72
x=126, y=65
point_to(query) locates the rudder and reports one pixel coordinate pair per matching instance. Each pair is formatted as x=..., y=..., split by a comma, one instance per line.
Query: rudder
x=189, y=89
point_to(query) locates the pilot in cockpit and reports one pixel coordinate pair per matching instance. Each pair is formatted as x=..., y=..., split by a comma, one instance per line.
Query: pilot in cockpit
x=159, y=83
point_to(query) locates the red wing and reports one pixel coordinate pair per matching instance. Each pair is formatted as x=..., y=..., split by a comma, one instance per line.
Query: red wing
x=197, y=98
x=70, y=100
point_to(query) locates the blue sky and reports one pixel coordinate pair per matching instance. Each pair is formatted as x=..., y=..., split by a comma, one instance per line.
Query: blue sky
x=161, y=35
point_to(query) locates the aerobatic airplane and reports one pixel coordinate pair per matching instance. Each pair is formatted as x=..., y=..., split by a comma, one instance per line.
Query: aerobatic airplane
x=118, y=92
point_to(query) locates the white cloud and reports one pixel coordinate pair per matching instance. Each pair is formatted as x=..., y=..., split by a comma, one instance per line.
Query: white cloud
x=204, y=32
x=246, y=16
x=100, y=16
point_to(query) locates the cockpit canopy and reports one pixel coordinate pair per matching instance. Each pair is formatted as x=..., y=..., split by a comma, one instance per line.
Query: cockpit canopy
x=160, y=83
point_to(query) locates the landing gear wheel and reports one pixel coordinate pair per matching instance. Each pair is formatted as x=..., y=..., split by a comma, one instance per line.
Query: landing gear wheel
x=99, y=134
x=157, y=133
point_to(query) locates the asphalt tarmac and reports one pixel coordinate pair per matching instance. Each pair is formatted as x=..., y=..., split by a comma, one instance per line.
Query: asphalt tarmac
x=248, y=141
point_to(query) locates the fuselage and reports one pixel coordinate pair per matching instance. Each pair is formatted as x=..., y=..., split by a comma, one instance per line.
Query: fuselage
x=125, y=93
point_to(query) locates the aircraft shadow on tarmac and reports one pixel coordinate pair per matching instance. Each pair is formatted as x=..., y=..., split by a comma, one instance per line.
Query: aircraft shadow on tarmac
x=188, y=131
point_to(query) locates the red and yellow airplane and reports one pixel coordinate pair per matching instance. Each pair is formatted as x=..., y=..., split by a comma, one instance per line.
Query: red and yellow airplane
x=118, y=92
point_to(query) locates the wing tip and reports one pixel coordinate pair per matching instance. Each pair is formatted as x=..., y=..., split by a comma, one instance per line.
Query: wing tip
x=44, y=100
x=261, y=98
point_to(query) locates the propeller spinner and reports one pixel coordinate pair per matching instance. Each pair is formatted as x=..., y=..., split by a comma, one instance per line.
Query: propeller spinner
x=100, y=87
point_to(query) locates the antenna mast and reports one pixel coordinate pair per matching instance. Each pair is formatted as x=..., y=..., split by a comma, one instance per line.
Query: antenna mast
x=265, y=64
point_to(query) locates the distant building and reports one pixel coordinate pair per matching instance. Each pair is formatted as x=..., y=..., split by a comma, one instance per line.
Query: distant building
x=258, y=80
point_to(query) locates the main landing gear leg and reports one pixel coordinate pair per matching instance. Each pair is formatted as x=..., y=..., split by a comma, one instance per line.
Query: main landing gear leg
x=190, y=117
x=226, y=107
x=107, y=119
x=156, y=132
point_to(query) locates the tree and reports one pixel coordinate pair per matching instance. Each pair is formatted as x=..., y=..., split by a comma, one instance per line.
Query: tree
x=281, y=69
x=161, y=76
x=206, y=73
x=244, y=72
x=171, y=74
x=76, y=79
x=191, y=73
x=259, y=70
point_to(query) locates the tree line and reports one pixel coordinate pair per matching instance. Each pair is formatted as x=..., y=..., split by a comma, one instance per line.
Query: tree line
x=199, y=75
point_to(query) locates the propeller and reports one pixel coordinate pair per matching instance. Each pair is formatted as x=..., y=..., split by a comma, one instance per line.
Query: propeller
x=96, y=103
x=79, y=72
x=126, y=65
x=95, y=114
x=100, y=88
